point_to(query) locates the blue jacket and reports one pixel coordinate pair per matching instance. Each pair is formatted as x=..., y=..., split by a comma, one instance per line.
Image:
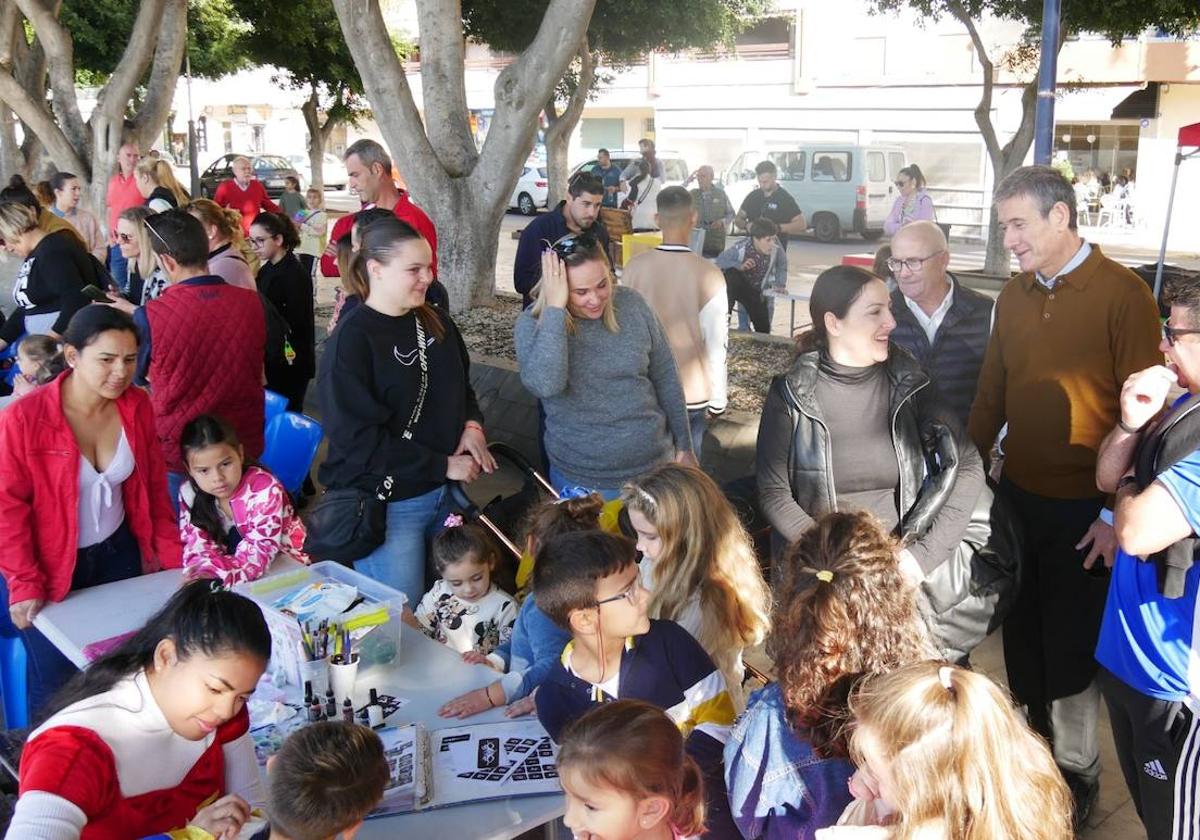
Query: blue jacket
x=778, y=788
x=530, y=653
x=550, y=227
x=777, y=267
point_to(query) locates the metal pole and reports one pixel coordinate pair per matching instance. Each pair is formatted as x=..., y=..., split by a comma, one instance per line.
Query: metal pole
x=1043, y=142
x=192, y=164
x=1162, y=250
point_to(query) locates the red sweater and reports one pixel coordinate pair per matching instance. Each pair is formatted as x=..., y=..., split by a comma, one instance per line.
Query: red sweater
x=405, y=211
x=247, y=201
x=39, y=493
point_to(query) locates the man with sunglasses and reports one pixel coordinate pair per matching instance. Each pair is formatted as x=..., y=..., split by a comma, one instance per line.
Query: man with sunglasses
x=943, y=324
x=1069, y=330
x=1149, y=640
x=579, y=212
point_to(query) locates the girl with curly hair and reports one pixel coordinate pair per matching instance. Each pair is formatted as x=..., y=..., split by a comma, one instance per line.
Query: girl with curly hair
x=843, y=610
x=950, y=758
x=699, y=565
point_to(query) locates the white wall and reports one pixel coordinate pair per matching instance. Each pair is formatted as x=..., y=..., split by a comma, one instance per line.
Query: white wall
x=1179, y=105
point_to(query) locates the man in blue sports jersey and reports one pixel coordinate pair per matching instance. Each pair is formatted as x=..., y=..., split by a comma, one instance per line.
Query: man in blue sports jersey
x=1149, y=648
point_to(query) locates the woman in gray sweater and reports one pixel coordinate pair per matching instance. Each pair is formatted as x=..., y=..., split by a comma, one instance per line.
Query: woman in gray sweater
x=598, y=359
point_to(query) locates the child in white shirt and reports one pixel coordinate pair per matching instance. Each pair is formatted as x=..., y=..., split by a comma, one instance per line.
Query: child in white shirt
x=466, y=610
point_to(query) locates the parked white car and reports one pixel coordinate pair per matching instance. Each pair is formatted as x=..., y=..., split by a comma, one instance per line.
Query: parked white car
x=332, y=168
x=675, y=170
x=532, y=190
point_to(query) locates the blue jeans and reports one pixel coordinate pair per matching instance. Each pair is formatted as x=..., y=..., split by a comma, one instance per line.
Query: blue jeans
x=411, y=524
x=175, y=480
x=116, y=558
x=118, y=267
x=567, y=488
x=698, y=420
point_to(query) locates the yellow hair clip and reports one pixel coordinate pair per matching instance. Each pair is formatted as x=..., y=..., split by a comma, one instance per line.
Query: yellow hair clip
x=825, y=576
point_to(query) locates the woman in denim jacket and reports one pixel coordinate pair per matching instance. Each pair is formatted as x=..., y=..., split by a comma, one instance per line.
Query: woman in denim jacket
x=844, y=609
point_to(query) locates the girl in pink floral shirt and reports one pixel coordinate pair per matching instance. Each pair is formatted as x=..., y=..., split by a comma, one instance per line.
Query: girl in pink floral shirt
x=234, y=517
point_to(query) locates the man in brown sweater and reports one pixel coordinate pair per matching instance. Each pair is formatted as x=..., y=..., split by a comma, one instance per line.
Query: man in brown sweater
x=1068, y=330
x=687, y=293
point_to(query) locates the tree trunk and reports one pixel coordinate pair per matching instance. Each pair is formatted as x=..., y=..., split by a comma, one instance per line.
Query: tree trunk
x=11, y=158
x=466, y=193
x=316, y=139
x=560, y=126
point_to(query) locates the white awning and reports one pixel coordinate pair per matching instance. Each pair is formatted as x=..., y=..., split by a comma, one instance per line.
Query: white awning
x=1090, y=104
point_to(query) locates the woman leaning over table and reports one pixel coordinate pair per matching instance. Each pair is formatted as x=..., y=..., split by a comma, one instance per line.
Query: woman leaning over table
x=597, y=357
x=83, y=487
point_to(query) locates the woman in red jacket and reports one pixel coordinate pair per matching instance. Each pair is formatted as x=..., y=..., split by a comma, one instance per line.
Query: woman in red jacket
x=83, y=487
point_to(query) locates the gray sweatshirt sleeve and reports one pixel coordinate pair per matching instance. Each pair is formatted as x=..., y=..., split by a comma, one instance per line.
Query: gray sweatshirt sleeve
x=542, y=351
x=665, y=378
x=773, y=454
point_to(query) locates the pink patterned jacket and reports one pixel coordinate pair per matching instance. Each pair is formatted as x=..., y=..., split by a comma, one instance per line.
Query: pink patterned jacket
x=262, y=514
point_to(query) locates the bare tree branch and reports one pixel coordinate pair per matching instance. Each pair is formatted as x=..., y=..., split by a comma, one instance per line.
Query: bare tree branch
x=60, y=52
x=40, y=121
x=983, y=111
x=443, y=51
x=160, y=88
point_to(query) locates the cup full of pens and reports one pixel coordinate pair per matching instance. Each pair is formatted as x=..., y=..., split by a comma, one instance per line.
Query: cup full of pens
x=331, y=647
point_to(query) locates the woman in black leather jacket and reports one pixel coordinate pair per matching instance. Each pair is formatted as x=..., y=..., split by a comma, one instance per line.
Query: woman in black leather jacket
x=856, y=424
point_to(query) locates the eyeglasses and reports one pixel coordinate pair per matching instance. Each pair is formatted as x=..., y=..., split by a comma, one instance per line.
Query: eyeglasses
x=159, y=237
x=259, y=241
x=629, y=593
x=913, y=264
x=573, y=243
x=1172, y=333
x=125, y=237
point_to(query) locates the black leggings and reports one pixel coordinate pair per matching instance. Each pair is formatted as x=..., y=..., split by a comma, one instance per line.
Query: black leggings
x=749, y=294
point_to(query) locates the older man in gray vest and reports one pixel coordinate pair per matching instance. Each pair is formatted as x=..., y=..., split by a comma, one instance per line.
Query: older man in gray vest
x=938, y=320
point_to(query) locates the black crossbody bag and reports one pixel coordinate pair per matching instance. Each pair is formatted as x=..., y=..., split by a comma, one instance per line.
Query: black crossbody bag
x=348, y=523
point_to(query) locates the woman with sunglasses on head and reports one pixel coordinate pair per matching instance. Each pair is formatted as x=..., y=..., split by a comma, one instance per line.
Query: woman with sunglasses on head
x=912, y=203
x=855, y=425
x=283, y=281
x=597, y=357
x=397, y=402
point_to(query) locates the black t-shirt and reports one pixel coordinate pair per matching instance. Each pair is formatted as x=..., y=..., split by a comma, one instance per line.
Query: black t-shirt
x=779, y=207
x=370, y=376
x=51, y=280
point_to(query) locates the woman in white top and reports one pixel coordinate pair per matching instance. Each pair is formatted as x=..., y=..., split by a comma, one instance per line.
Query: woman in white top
x=643, y=198
x=699, y=565
x=83, y=489
x=67, y=191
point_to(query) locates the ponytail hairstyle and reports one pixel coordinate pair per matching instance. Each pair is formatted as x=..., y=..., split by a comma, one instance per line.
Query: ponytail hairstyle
x=562, y=516
x=460, y=540
x=376, y=243
x=200, y=432
x=913, y=171
x=227, y=222
x=46, y=353
x=705, y=550
x=17, y=190
x=835, y=291
x=842, y=610
x=145, y=260
x=277, y=224
x=632, y=747
x=960, y=755
x=201, y=618
x=45, y=193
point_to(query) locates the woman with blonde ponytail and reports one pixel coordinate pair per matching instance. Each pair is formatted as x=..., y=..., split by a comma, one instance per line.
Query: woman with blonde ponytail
x=229, y=255
x=950, y=758
x=397, y=402
x=699, y=566
x=627, y=776
x=842, y=610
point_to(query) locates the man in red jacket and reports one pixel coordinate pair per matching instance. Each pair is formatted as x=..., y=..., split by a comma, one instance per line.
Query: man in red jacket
x=369, y=169
x=244, y=193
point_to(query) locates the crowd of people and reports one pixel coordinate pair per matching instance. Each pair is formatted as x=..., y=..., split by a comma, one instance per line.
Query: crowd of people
x=128, y=448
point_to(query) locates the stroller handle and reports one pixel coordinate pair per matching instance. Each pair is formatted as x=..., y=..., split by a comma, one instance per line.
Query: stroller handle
x=471, y=511
x=514, y=457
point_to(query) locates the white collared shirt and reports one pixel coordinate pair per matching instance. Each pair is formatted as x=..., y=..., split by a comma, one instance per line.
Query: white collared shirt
x=931, y=323
x=1082, y=254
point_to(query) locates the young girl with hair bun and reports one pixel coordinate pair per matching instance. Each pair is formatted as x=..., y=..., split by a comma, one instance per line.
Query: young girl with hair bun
x=951, y=758
x=466, y=610
x=627, y=777
x=699, y=565
x=842, y=610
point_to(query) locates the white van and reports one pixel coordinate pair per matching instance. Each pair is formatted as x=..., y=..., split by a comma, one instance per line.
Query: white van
x=840, y=187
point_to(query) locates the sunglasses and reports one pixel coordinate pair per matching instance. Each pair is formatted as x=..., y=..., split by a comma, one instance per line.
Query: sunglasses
x=573, y=243
x=124, y=237
x=1172, y=333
